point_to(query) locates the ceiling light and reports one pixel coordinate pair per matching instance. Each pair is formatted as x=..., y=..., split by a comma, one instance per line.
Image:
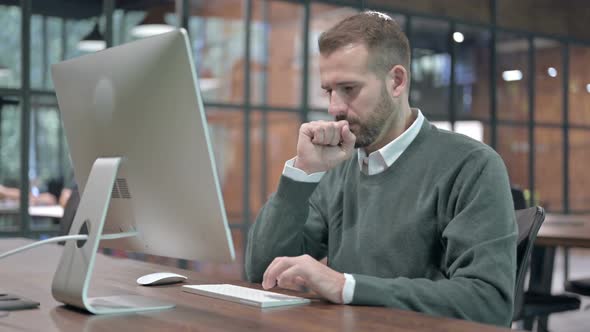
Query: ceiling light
x=551, y=71
x=588, y=88
x=93, y=42
x=458, y=37
x=152, y=24
x=512, y=75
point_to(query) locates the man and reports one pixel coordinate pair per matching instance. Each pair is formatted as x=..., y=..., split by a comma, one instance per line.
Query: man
x=418, y=218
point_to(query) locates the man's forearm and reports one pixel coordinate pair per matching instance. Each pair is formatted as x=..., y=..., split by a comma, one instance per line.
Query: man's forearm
x=279, y=227
x=463, y=298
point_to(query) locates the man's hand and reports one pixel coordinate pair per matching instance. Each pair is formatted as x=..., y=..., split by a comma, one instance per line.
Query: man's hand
x=323, y=144
x=307, y=272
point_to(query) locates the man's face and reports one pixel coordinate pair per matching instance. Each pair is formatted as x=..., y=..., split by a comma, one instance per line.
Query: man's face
x=356, y=93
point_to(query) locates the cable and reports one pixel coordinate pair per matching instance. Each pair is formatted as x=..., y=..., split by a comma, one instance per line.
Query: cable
x=66, y=238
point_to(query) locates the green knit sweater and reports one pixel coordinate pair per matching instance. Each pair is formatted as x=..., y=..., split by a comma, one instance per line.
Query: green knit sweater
x=434, y=233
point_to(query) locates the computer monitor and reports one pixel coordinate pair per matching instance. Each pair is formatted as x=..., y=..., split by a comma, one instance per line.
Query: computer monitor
x=137, y=134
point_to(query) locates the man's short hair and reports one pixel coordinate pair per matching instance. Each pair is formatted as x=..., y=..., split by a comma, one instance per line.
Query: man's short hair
x=386, y=43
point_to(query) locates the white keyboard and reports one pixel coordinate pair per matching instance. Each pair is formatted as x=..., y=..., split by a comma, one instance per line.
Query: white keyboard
x=245, y=295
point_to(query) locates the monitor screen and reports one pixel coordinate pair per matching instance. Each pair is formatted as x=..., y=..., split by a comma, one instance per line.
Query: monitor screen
x=140, y=102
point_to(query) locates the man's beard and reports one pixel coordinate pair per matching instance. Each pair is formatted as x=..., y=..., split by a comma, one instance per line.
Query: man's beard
x=368, y=131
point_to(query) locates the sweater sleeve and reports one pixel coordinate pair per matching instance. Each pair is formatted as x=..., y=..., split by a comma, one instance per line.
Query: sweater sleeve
x=287, y=225
x=479, y=259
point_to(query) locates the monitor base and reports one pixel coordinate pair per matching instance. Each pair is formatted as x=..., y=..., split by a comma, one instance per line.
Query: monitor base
x=73, y=274
x=126, y=303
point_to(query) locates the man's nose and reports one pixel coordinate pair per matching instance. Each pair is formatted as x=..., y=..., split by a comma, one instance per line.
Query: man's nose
x=337, y=107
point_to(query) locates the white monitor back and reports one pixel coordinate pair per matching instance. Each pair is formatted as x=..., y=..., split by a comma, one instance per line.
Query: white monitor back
x=140, y=101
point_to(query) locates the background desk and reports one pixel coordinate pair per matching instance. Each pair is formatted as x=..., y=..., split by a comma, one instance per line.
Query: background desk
x=29, y=274
x=565, y=230
x=49, y=211
x=557, y=231
x=44, y=219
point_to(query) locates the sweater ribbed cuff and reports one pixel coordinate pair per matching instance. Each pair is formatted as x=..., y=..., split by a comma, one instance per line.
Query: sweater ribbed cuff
x=366, y=291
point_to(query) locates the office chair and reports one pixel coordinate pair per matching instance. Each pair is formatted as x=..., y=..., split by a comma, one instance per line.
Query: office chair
x=55, y=186
x=530, y=306
x=529, y=222
x=518, y=198
x=69, y=212
x=577, y=286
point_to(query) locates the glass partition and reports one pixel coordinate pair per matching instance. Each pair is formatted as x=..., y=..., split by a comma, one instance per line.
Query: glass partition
x=472, y=72
x=512, y=75
x=10, y=155
x=431, y=66
x=548, y=81
x=217, y=36
x=276, y=53
x=10, y=52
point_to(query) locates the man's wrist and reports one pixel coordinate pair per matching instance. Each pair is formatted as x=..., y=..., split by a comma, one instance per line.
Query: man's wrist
x=348, y=289
x=300, y=165
x=300, y=175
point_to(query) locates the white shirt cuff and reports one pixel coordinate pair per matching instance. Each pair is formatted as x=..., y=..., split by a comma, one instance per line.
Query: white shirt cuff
x=299, y=175
x=348, y=290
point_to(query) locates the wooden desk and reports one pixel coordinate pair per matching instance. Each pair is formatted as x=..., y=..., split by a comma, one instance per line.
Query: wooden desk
x=565, y=230
x=557, y=231
x=30, y=273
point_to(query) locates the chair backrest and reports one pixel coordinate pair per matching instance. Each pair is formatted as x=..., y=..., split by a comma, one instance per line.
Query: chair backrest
x=518, y=198
x=529, y=222
x=55, y=186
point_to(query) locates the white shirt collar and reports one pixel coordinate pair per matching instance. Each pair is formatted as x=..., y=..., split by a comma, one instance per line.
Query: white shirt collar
x=378, y=161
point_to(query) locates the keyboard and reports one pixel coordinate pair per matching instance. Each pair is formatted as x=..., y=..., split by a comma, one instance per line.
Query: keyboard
x=245, y=295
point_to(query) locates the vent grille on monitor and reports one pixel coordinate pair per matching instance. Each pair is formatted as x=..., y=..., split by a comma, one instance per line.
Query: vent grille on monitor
x=121, y=189
x=115, y=192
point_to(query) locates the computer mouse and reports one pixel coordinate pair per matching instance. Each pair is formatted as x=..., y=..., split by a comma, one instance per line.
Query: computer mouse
x=160, y=278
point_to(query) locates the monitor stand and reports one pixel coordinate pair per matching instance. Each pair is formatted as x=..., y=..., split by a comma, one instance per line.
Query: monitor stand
x=72, y=278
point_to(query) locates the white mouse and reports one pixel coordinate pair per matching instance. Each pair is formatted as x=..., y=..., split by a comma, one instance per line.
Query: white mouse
x=160, y=278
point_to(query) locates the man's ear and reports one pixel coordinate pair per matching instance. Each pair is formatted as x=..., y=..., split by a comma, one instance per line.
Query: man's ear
x=397, y=80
